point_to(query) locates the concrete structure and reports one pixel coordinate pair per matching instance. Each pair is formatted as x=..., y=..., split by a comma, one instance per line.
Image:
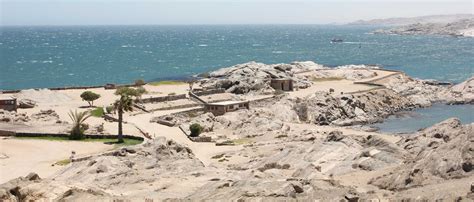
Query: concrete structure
x=284, y=84
x=8, y=103
x=110, y=86
x=221, y=108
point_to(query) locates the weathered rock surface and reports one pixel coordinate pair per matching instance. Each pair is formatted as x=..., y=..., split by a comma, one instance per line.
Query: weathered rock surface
x=323, y=108
x=442, y=152
x=463, y=92
x=13, y=117
x=126, y=170
x=300, y=166
x=252, y=76
x=423, y=93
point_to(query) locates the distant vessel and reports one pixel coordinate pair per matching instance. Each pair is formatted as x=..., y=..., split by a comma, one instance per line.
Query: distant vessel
x=336, y=40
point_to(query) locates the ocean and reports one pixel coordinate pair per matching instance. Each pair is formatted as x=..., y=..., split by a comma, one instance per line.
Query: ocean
x=426, y=117
x=41, y=56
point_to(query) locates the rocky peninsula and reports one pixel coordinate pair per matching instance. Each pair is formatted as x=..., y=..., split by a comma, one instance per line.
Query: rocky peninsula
x=460, y=28
x=307, y=144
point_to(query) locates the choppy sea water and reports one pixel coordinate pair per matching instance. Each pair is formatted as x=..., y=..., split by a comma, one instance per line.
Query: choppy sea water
x=37, y=57
x=425, y=117
x=34, y=57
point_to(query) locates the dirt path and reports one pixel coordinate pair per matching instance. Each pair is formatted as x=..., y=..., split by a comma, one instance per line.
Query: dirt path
x=203, y=151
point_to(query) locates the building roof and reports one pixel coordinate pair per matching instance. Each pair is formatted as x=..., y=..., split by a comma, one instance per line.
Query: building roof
x=6, y=97
x=228, y=102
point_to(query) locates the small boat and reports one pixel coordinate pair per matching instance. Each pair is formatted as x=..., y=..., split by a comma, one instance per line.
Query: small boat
x=336, y=40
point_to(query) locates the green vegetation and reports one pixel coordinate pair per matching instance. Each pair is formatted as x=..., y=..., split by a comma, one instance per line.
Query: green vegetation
x=125, y=104
x=127, y=141
x=98, y=112
x=326, y=79
x=195, y=129
x=235, y=142
x=63, y=162
x=90, y=96
x=139, y=82
x=159, y=83
x=78, y=128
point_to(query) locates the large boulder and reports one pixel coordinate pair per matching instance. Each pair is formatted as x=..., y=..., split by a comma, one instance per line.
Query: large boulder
x=441, y=152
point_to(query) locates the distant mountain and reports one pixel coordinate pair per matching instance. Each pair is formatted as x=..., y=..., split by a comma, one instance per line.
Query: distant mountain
x=414, y=20
x=464, y=27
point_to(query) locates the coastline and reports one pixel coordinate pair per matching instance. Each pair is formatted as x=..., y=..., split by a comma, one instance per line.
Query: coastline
x=287, y=143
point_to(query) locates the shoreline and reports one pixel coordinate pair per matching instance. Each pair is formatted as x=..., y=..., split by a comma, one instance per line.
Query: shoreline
x=289, y=143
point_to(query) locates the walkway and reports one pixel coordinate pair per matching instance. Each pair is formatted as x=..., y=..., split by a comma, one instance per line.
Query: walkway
x=203, y=150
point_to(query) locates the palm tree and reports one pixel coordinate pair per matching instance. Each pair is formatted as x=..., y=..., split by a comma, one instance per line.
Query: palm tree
x=125, y=104
x=78, y=119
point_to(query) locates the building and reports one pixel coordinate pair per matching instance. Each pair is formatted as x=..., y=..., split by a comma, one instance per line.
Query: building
x=8, y=103
x=220, y=108
x=284, y=84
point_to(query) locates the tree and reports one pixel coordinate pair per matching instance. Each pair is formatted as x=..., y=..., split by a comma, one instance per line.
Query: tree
x=78, y=128
x=124, y=104
x=139, y=82
x=90, y=96
x=195, y=129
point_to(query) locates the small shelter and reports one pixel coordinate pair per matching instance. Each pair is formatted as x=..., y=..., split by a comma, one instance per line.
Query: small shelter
x=284, y=84
x=220, y=108
x=110, y=86
x=8, y=103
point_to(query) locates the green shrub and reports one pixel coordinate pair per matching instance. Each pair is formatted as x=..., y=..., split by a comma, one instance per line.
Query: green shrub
x=195, y=129
x=109, y=109
x=79, y=127
x=139, y=82
x=98, y=112
x=90, y=96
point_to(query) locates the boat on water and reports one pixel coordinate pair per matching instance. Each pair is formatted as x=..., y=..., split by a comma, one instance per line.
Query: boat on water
x=335, y=40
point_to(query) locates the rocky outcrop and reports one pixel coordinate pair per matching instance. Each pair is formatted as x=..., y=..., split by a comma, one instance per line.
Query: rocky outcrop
x=463, y=92
x=323, y=108
x=464, y=27
x=304, y=164
x=13, y=117
x=349, y=72
x=253, y=76
x=442, y=152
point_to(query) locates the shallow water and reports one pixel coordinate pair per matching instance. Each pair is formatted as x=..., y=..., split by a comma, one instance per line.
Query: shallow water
x=422, y=118
x=33, y=57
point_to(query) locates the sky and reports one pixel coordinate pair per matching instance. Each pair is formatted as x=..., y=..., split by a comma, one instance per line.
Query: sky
x=141, y=12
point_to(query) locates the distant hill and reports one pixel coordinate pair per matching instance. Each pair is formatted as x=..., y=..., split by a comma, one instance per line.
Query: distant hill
x=464, y=27
x=414, y=20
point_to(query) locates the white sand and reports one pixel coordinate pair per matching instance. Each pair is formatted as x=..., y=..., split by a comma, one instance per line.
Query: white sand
x=25, y=156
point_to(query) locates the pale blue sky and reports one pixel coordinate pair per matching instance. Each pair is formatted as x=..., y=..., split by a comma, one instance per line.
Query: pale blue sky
x=124, y=12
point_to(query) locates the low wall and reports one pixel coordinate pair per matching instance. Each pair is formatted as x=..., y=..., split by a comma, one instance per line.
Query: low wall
x=67, y=88
x=22, y=134
x=209, y=92
x=164, y=98
x=196, y=139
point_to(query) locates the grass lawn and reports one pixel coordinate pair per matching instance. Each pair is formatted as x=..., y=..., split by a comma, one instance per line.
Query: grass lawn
x=158, y=83
x=113, y=141
x=98, y=112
